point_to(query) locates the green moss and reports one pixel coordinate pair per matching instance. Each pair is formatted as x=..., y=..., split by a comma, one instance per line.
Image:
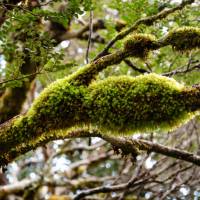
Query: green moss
x=59, y=106
x=184, y=38
x=119, y=105
x=139, y=44
x=145, y=103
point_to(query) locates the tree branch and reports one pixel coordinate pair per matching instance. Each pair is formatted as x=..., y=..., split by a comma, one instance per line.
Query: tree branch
x=17, y=187
x=139, y=45
x=146, y=21
x=126, y=144
x=182, y=71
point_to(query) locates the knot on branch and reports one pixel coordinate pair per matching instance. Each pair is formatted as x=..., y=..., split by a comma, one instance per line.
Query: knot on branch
x=127, y=147
x=184, y=38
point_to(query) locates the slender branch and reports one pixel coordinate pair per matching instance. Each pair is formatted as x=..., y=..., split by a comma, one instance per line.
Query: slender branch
x=17, y=187
x=20, y=78
x=81, y=34
x=70, y=183
x=182, y=71
x=105, y=189
x=135, y=68
x=129, y=145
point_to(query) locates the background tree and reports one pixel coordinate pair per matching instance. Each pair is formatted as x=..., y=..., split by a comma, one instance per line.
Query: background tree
x=42, y=41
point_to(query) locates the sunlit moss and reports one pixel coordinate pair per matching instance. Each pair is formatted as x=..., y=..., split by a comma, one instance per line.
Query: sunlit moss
x=117, y=105
x=60, y=105
x=145, y=103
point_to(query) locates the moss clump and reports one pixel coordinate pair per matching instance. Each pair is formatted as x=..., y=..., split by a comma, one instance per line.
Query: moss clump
x=144, y=103
x=139, y=45
x=184, y=38
x=59, y=106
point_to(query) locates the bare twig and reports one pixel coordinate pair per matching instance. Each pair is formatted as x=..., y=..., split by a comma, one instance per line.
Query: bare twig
x=89, y=38
x=134, y=67
x=131, y=144
x=133, y=182
x=18, y=186
x=182, y=71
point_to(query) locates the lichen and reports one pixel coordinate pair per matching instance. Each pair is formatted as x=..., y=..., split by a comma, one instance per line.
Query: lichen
x=184, y=38
x=139, y=44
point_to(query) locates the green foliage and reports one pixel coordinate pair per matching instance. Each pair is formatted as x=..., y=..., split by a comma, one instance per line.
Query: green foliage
x=130, y=11
x=53, y=66
x=26, y=44
x=66, y=13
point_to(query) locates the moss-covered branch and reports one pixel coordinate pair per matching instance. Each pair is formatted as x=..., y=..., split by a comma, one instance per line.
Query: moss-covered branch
x=139, y=45
x=146, y=21
x=118, y=105
x=125, y=144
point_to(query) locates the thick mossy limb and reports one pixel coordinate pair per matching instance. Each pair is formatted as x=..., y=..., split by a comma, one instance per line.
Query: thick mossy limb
x=181, y=39
x=121, y=105
x=146, y=103
x=46, y=137
x=86, y=74
x=191, y=95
